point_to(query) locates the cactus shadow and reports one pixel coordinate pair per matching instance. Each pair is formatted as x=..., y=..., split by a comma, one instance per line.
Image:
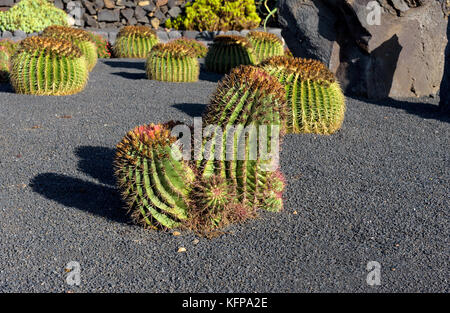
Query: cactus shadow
x=6, y=88
x=87, y=196
x=123, y=63
x=191, y=109
x=209, y=76
x=128, y=75
x=97, y=162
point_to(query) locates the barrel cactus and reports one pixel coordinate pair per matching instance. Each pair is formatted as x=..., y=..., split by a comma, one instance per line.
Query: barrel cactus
x=265, y=45
x=172, y=62
x=247, y=97
x=316, y=103
x=229, y=51
x=154, y=184
x=79, y=38
x=134, y=42
x=48, y=66
x=200, y=48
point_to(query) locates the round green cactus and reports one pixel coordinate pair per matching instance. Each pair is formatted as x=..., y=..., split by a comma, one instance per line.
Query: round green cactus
x=246, y=97
x=134, y=42
x=228, y=52
x=266, y=45
x=154, y=184
x=200, y=48
x=48, y=66
x=79, y=38
x=316, y=102
x=172, y=62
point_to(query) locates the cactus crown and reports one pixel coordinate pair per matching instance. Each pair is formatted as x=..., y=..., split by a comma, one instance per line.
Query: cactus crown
x=67, y=32
x=229, y=40
x=308, y=69
x=200, y=48
x=137, y=31
x=173, y=49
x=52, y=46
x=152, y=134
x=263, y=36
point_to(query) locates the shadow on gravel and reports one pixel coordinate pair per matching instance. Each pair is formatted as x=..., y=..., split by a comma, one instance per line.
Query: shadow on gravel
x=83, y=195
x=138, y=64
x=424, y=110
x=128, y=75
x=7, y=88
x=192, y=109
x=97, y=162
x=209, y=76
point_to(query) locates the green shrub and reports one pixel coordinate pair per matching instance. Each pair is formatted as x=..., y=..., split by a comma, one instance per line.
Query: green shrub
x=32, y=16
x=214, y=15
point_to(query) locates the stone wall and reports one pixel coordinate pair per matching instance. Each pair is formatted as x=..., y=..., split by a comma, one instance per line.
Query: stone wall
x=116, y=13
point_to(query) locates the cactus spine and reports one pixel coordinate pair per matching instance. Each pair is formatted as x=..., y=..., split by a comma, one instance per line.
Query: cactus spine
x=172, y=62
x=228, y=52
x=316, y=103
x=48, y=66
x=79, y=38
x=266, y=45
x=134, y=42
x=154, y=184
x=200, y=48
x=248, y=98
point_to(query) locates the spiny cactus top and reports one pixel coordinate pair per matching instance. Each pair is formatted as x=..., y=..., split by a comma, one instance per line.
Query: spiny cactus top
x=200, y=48
x=265, y=44
x=78, y=37
x=172, y=62
x=229, y=51
x=4, y=64
x=134, y=42
x=316, y=101
x=48, y=66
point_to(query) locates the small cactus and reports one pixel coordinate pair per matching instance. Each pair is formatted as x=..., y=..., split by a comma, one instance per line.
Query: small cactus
x=248, y=96
x=265, y=45
x=134, y=42
x=79, y=38
x=316, y=103
x=154, y=184
x=172, y=62
x=228, y=52
x=48, y=66
x=200, y=48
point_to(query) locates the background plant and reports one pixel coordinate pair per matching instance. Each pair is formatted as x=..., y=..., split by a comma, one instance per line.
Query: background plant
x=32, y=16
x=213, y=15
x=48, y=66
x=172, y=62
x=198, y=47
x=104, y=49
x=134, y=42
x=79, y=38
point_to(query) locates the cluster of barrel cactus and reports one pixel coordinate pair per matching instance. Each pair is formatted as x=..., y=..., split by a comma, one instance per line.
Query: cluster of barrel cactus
x=48, y=66
x=199, y=48
x=164, y=190
x=172, y=62
x=134, y=42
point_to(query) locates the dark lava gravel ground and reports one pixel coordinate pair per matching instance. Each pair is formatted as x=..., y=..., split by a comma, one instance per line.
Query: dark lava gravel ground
x=378, y=190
